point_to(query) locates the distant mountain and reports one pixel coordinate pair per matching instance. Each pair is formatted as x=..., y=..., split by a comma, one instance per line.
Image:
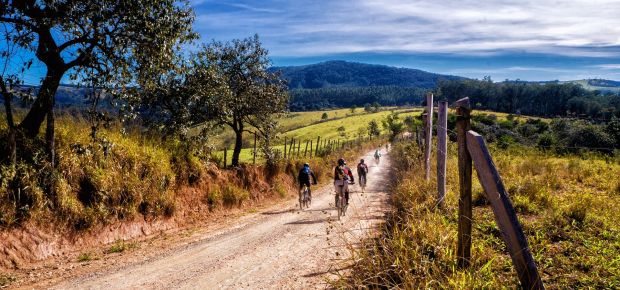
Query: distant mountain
x=352, y=74
x=346, y=84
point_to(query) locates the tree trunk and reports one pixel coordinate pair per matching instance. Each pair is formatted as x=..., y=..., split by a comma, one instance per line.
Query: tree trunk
x=11, y=124
x=238, y=144
x=42, y=105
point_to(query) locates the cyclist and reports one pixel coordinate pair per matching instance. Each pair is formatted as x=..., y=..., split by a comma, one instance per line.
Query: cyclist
x=342, y=175
x=362, y=169
x=377, y=155
x=304, y=179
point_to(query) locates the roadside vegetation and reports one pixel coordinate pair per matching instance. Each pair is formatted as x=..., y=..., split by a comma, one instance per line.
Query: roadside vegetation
x=566, y=203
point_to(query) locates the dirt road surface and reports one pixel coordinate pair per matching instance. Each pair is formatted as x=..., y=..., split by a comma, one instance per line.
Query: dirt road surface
x=278, y=248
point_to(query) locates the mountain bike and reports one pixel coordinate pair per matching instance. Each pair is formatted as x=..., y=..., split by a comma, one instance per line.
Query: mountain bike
x=341, y=202
x=362, y=179
x=304, y=198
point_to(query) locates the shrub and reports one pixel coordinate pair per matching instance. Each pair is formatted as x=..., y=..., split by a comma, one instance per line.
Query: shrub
x=233, y=195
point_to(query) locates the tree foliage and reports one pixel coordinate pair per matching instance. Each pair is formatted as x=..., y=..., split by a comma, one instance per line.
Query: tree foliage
x=252, y=94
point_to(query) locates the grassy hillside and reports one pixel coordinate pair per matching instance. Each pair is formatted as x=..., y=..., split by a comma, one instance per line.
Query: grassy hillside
x=567, y=206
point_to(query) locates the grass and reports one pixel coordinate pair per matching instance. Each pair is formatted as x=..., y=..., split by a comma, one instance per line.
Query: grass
x=87, y=256
x=307, y=126
x=566, y=205
x=6, y=279
x=120, y=246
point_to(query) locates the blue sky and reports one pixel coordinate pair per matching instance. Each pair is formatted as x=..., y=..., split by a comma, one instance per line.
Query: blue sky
x=529, y=40
x=505, y=39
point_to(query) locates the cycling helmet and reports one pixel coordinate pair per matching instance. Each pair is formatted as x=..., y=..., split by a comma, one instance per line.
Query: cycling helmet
x=341, y=161
x=361, y=160
x=306, y=164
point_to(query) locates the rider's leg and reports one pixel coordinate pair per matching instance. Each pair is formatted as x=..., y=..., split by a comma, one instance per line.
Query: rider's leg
x=345, y=188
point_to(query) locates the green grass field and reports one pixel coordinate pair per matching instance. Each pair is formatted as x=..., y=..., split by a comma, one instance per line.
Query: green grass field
x=306, y=126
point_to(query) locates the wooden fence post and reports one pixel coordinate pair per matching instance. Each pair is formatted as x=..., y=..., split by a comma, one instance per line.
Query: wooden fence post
x=290, y=149
x=284, y=147
x=504, y=213
x=311, y=148
x=428, y=136
x=306, y=150
x=298, y=148
x=225, y=155
x=463, y=251
x=442, y=148
x=318, y=141
x=254, y=157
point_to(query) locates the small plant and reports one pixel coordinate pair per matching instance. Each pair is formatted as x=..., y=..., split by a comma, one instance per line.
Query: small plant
x=324, y=116
x=120, y=246
x=6, y=279
x=85, y=257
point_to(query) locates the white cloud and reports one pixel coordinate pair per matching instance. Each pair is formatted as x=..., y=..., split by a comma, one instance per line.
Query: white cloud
x=581, y=28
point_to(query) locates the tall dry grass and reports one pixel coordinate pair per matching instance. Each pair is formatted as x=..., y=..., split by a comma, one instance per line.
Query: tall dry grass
x=567, y=207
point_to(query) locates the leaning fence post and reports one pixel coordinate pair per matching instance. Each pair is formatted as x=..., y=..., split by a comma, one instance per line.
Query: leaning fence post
x=463, y=251
x=442, y=148
x=504, y=213
x=428, y=136
x=290, y=148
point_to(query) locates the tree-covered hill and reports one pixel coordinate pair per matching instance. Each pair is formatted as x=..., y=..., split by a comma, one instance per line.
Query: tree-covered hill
x=345, y=84
x=352, y=74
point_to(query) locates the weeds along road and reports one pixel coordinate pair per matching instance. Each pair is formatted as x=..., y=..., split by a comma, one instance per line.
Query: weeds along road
x=281, y=247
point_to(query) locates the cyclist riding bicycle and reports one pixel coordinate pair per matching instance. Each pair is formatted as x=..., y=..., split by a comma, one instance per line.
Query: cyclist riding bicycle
x=342, y=175
x=304, y=179
x=377, y=154
x=362, y=169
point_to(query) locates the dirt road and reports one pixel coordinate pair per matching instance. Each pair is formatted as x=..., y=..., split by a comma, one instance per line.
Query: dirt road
x=280, y=248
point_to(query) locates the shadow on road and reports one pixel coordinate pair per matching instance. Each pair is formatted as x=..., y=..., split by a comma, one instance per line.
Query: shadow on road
x=307, y=222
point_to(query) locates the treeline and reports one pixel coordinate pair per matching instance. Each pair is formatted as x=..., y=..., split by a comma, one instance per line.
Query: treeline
x=346, y=97
x=549, y=99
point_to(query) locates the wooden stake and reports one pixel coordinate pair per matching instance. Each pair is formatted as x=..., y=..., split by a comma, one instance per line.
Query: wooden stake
x=311, y=148
x=463, y=251
x=306, y=150
x=284, y=147
x=504, y=213
x=225, y=155
x=442, y=148
x=318, y=142
x=428, y=136
x=254, y=157
x=298, y=148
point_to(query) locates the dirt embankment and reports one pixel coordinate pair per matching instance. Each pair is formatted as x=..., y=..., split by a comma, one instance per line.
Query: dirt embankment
x=274, y=247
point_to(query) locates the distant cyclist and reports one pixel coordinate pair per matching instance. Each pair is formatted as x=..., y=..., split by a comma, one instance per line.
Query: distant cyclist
x=304, y=179
x=362, y=169
x=377, y=155
x=342, y=176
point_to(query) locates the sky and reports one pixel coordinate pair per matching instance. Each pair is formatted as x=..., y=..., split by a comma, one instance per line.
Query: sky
x=533, y=40
x=527, y=40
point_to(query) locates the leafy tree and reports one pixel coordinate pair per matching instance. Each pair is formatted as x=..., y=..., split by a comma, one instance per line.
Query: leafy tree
x=393, y=124
x=100, y=41
x=373, y=129
x=353, y=108
x=367, y=108
x=613, y=129
x=324, y=116
x=376, y=106
x=342, y=131
x=253, y=95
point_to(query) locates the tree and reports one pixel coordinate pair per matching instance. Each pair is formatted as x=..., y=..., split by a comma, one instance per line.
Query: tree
x=324, y=116
x=393, y=124
x=373, y=129
x=353, y=108
x=376, y=106
x=252, y=94
x=342, y=131
x=102, y=41
x=367, y=108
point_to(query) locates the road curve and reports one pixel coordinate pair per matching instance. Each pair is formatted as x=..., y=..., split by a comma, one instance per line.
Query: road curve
x=279, y=248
